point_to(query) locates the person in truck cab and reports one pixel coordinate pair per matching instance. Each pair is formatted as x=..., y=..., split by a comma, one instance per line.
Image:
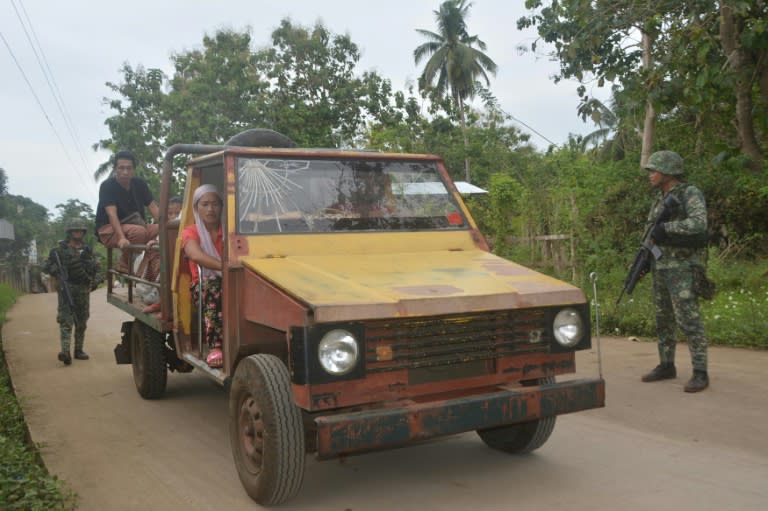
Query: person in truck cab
x=150, y=295
x=202, y=244
x=174, y=207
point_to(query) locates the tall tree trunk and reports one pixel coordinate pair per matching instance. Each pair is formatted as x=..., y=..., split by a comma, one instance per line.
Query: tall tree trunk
x=760, y=58
x=463, y=122
x=764, y=80
x=729, y=38
x=650, y=115
x=698, y=148
x=572, y=238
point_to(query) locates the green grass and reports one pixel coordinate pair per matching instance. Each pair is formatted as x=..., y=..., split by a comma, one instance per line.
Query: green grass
x=25, y=484
x=7, y=299
x=735, y=317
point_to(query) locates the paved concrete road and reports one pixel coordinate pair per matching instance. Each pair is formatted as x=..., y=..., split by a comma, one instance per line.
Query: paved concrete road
x=652, y=448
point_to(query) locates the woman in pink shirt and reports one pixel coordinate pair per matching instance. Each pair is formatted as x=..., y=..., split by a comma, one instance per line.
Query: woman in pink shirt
x=202, y=243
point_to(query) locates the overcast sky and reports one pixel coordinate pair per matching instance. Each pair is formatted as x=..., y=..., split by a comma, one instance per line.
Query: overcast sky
x=85, y=43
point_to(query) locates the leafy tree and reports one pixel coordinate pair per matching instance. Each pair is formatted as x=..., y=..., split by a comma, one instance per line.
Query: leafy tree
x=598, y=39
x=314, y=96
x=456, y=61
x=30, y=223
x=216, y=92
x=3, y=191
x=400, y=128
x=701, y=62
x=722, y=49
x=140, y=123
x=495, y=145
x=74, y=208
x=68, y=211
x=502, y=219
x=613, y=136
x=304, y=86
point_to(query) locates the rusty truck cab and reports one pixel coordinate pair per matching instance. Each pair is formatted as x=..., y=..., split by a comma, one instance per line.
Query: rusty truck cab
x=362, y=310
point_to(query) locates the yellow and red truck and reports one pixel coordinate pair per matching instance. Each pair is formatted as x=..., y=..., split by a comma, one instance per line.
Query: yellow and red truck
x=362, y=310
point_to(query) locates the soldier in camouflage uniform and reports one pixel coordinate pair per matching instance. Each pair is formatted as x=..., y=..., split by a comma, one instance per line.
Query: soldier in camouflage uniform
x=79, y=269
x=682, y=240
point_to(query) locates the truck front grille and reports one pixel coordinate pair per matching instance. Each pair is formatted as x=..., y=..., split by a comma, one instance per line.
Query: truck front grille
x=470, y=339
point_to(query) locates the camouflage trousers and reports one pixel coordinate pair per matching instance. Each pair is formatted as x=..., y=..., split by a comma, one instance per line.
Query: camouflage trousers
x=677, y=306
x=73, y=318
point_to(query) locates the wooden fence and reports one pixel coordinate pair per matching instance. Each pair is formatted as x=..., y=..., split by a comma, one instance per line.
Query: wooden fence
x=27, y=279
x=549, y=250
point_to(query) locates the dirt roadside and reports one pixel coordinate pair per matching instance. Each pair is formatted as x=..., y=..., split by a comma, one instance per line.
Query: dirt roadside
x=121, y=452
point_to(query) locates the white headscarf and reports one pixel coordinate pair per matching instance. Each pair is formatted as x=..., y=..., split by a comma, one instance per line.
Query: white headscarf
x=206, y=243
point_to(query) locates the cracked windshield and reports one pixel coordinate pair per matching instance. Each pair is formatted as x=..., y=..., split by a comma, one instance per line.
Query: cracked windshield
x=332, y=195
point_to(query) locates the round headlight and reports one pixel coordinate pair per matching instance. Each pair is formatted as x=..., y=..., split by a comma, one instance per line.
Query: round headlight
x=338, y=352
x=568, y=328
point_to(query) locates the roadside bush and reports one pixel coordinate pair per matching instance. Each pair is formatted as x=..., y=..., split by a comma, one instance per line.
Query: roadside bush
x=735, y=317
x=602, y=206
x=7, y=299
x=634, y=316
x=24, y=482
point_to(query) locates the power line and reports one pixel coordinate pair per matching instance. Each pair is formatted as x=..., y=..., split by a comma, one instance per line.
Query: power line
x=52, y=85
x=492, y=102
x=45, y=114
x=527, y=126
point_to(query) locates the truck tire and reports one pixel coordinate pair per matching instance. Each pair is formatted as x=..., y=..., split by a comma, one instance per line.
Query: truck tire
x=520, y=438
x=265, y=430
x=260, y=137
x=150, y=369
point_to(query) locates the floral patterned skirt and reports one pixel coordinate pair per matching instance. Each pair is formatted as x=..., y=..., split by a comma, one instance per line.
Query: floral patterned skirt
x=212, y=317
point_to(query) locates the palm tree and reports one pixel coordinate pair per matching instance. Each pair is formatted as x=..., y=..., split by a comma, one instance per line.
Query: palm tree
x=612, y=137
x=456, y=61
x=3, y=181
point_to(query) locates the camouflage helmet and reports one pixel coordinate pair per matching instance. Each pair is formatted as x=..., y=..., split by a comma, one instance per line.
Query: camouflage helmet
x=76, y=224
x=666, y=162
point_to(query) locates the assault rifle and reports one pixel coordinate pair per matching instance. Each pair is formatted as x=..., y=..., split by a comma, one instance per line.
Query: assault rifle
x=64, y=281
x=648, y=249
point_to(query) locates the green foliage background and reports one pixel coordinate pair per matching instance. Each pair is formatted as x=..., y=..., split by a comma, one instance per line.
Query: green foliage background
x=25, y=484
x=305, y=82
x=711, y=105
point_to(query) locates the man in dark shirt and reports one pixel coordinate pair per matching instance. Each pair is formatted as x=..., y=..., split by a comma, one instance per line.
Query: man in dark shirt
x=120, y=217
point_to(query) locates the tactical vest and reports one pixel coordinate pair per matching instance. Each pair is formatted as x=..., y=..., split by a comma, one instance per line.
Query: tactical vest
x=683, y=241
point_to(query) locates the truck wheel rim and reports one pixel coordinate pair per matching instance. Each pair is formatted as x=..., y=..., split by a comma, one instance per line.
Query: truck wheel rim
x=251, y=429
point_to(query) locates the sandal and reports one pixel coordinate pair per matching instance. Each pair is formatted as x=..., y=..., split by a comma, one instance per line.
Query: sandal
x=151, y=308
x=215, y=358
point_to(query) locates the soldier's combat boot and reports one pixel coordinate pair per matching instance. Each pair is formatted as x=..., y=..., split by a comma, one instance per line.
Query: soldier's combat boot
x=81, y=355
x=698, y=382
x=663, y=371
x=65, y=357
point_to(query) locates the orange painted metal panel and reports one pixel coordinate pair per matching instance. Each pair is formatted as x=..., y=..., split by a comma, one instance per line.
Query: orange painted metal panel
x=407, y=421
x=393, y=385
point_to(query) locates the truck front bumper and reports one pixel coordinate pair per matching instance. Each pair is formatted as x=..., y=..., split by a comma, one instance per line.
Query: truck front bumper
x=410, y=421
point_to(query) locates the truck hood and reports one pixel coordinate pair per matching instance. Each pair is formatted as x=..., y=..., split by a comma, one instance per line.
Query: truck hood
x=352, y=287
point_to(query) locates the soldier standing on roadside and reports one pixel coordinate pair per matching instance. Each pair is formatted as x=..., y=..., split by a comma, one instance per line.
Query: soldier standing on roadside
x=73, y=263
x=682, y=240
